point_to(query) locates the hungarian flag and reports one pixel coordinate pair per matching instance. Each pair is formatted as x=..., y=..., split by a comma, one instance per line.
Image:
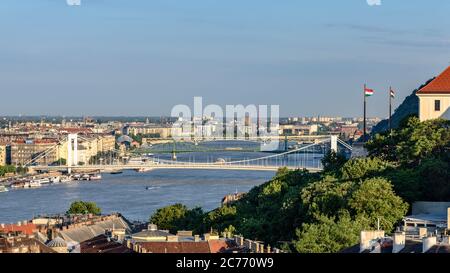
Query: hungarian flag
x=392, y=93
x=368, y=92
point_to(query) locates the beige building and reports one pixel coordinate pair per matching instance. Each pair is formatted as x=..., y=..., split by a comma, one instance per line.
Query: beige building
x=163, y=132
x=2, y=154
x=22, y=152
x=106, y=143
x=298, y=130
x=434, y=99
x=90, y=147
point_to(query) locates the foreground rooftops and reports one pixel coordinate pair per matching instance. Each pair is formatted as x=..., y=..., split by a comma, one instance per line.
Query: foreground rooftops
x=440, y=85
x=26, y=228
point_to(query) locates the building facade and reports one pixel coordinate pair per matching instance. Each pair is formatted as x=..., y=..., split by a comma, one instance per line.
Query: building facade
x=22, y=152
x=434, y=98
x=3, y=154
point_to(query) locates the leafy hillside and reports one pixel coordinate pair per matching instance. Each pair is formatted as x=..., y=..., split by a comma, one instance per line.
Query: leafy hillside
x=324, y=212
x=409, y=107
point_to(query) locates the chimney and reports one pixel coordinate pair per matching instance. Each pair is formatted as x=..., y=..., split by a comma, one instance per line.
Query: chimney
x=247, y=243
x=423, y=232
x=172, y=238
x=206, y=236
x=268, y=249
x=367, y=237
x=129, y=245
x=428, y=243
x=196, y=238
x=239, y=240
x=3, y=225
x=448, y=218
x=399, y=242
x=445, y=240
x=152, y=227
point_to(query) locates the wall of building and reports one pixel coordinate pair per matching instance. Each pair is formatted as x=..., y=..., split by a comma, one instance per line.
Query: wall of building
x=22, y=153
x=426, y=106
x=2, y=155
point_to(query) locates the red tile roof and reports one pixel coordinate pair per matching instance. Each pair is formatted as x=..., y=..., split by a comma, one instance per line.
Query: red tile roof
x=101, y=244
x=27, y=229
x=440, y=85
x=220, y=246
x=176, y=247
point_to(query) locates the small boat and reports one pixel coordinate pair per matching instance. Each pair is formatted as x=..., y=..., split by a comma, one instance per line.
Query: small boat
x=3, y=189
x=117, y=172
x=42, y=181
x=65, y=179
x=56, y=179
x=18, y=185
x=77, y=177
x=85, y=177
x=35, y=184
x=96, y=177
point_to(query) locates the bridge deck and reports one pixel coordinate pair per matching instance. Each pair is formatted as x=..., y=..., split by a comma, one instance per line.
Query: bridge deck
x=107, y=168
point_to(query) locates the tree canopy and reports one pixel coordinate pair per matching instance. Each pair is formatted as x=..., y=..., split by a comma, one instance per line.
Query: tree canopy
x=81, y=207
x=325, y=212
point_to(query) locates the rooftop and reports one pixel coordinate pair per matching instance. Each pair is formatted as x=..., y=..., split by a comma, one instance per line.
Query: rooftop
x=103, y=244
x=440, y=85
x=24, y=228
x=176, y=247
x=23, y=245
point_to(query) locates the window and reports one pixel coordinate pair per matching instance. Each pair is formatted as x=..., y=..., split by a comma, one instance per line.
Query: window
x=437, y=105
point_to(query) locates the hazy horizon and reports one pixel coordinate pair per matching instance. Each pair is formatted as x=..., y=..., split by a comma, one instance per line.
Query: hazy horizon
x=140, y=58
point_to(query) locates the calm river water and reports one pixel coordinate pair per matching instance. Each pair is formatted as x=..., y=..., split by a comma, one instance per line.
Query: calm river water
x=126, y=193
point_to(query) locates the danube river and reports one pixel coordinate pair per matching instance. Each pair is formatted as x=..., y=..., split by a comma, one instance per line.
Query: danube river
x=135, y=195
x=138, y=195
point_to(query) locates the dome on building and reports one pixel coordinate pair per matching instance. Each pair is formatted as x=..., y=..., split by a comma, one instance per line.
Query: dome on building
x=57, y=242
x=123, y=139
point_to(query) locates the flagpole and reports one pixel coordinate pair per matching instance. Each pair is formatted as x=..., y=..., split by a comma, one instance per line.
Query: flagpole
x=365, y=107
x=390, y=108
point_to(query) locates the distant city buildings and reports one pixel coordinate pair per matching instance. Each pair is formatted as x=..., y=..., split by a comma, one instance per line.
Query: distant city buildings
x=42, y=142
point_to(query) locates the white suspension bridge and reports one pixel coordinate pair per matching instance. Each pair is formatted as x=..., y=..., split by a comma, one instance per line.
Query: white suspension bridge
x=305, y=157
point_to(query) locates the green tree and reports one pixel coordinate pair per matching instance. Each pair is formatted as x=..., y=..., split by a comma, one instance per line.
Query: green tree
x=328, y=235
x=412, y=142
x=324, y=197
x=375, y=199
x=333, y=162
x=363, y=167
x=81, y=207
x=434, y=175
x=169, y=217
x=7, y=169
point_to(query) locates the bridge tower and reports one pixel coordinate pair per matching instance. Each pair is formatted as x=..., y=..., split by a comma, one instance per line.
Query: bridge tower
x=286, y=146
x=334, y=144
x=174, y=154
x=72, y=151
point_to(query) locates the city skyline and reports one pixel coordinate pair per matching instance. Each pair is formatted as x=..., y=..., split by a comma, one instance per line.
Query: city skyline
x=113, y=58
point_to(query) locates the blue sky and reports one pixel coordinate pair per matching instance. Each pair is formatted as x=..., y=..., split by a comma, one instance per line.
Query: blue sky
x=141, y=57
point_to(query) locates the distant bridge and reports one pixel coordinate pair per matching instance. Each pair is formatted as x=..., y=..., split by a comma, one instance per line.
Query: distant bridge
x=301, y=158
